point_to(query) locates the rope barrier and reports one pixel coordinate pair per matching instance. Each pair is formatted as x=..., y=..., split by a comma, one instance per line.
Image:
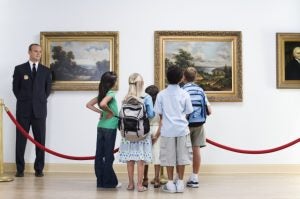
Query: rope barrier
x=26, y=134
x=253, y=151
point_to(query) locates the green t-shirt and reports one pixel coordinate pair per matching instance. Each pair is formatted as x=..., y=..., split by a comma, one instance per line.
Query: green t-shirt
x=111, y=123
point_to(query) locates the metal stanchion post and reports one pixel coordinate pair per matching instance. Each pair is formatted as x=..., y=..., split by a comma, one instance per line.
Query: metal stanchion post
x=3, y=178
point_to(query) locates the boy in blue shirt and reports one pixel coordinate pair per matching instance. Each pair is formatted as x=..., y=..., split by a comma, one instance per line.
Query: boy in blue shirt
x=172, y=105
x=201, y=108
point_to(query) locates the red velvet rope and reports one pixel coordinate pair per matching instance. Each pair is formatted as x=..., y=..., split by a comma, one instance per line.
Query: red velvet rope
x=26, y=134
x=253, y=151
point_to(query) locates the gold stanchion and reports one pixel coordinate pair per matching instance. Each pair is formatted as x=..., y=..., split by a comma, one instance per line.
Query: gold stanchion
x=3, y=178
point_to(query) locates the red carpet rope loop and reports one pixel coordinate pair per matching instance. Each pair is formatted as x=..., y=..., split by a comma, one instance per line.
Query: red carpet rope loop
x=24, y=133
x=116, y=150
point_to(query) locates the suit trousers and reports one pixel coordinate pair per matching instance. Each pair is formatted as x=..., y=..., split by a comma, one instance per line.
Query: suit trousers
x=38, y=126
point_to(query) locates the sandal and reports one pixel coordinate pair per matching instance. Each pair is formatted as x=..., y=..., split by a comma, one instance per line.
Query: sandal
x=130, y=188
x=142, y=189
x=145, y=182
x=152, y=181
x=156, y=184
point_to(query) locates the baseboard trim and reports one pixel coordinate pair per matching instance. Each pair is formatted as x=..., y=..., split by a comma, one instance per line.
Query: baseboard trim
x=205, y=169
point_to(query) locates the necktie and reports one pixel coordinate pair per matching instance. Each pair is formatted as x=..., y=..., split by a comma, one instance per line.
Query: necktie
x=33, y=71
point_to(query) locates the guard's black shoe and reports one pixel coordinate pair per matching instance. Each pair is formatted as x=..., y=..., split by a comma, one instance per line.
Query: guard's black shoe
x=19, y=174
x=39, y=174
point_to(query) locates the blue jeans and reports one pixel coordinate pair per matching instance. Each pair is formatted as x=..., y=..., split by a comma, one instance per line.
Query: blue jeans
x=104, y=171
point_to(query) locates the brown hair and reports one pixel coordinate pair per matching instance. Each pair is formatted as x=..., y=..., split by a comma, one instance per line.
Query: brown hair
x=190, y=74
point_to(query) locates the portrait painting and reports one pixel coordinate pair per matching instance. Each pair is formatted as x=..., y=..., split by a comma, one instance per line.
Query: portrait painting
x=288, y=60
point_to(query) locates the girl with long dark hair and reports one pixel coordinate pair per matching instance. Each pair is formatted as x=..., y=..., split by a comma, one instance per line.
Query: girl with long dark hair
x=106, y=131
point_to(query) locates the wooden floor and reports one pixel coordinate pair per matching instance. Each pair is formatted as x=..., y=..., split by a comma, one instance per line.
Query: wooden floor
x=229, y=186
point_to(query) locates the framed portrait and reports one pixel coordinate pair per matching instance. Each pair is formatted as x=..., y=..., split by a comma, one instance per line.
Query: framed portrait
x=216, y=55
x=78, y=59
x=288, y=60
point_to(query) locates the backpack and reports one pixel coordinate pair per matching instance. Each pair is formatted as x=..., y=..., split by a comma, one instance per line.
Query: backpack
x=133, y=123
x=199, y=104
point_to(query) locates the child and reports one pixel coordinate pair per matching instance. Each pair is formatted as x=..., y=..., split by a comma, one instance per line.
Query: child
x=173, y=104
x=106, y=131
x=137, y=151
x=196, y=125
x=154, y=124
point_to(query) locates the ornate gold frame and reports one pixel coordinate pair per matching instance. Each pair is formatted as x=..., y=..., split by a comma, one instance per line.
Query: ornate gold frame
x=235, y=39
x=284, y=44
x=111, y=37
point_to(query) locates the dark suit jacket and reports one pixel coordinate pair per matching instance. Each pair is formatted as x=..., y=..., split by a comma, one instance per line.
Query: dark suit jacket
x=31, y=95
x=292, y=71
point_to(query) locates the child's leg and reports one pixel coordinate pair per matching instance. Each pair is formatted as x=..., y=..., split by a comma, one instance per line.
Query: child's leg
x=170, y=171
x=145, y=180
x=196, y=159
x=156, y=176
x=140, y=165
x=99, y=164
x=109, y=176
x=180, y=170
x=130, y=170
x=163, y=178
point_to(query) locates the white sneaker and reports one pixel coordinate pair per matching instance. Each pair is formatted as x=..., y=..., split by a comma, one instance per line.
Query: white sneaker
x=193, y=182
x=175, y=178
x=179, y=186
x=169, y=187
x=119, y=185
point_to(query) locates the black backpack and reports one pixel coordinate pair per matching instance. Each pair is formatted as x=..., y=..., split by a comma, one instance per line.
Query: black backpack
x=133, y=124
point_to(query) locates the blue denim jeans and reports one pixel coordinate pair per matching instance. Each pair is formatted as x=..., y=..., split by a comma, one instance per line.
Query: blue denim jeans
x=104, y=171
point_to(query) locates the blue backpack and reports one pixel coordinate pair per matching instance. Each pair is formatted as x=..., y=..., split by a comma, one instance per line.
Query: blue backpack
x=198, y=101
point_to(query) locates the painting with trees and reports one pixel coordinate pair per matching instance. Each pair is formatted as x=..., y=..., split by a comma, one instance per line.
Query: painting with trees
x=78, y=59
x=215, y=55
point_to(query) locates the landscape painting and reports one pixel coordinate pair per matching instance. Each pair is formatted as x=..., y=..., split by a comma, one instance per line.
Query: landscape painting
x=215, y=55
x=212, y=60
x=78, y=59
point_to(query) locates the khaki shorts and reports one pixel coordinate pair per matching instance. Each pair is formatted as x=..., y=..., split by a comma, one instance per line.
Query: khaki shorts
x=175, y=151
x=198, y=137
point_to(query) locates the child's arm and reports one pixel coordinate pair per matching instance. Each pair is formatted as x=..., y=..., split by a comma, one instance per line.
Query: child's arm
x=91, y=105
x=157, y=134
x=208, y=106
x=104, y=106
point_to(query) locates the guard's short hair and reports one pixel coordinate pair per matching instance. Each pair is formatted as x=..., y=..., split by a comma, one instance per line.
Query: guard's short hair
x=30, y=46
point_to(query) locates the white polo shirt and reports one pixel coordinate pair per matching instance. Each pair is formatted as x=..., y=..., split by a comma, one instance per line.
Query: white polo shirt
x=173, y=103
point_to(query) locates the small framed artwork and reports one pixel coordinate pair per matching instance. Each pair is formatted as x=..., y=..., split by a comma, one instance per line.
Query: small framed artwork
x=78, y=59
x=216, y=55
x=288, y=60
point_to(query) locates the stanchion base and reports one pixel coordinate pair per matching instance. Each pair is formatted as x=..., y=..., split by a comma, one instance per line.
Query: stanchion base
x=4, y=178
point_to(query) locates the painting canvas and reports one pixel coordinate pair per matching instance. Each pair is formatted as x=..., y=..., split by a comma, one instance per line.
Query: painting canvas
x=215, y=55
x=77, y=59
x=288, y=60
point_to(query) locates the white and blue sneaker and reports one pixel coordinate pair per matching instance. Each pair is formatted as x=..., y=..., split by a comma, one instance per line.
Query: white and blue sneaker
x=193, y=181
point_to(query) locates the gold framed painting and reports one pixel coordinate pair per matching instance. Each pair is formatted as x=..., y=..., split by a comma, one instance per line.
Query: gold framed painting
x=78, y=59
x=216, y=55
x=288, y=60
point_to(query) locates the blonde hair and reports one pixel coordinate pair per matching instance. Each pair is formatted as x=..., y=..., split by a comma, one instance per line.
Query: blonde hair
x=190, y=74
x=136, y=86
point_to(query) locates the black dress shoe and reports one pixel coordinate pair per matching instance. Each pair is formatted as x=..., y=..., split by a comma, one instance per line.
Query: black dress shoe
x=19, y=174
x=39, y=174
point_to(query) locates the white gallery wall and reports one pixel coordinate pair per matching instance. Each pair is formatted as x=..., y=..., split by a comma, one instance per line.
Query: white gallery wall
x=267, y=117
